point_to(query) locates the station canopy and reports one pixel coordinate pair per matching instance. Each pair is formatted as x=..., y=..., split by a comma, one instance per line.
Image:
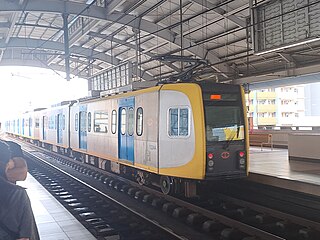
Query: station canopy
x=234, y=41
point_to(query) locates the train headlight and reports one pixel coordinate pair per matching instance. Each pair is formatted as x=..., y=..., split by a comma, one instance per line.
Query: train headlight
x=210, y=163
x=242, y=160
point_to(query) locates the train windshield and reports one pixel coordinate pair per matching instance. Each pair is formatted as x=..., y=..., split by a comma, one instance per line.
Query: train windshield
x=224, y=123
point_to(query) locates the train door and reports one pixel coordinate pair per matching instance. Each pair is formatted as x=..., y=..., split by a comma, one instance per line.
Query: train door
x=18, y=125
x=126, y=129
x=22, y=127
x=30, y=127
x=83, y=127
x=59, y=128
x=44, y=125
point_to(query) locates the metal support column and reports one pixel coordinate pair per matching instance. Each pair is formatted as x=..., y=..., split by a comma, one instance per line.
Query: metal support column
x=66, y=45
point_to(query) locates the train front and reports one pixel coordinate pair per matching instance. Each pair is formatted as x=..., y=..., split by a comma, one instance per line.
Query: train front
x=226, y=131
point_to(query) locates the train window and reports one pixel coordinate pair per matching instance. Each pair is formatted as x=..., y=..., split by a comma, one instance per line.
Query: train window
x=114, y=122
x=45, y=122
x=139, y=121
x=89, y=122
x=173, y=122
x=131, y=121
x=63, y=122
x=51, y=122
x=101, y=120
x=178, y=122
x=37, y=123
x=123, y=120
x=184, y=122
x=223, y=123
x=83, y=121
x=76, y=122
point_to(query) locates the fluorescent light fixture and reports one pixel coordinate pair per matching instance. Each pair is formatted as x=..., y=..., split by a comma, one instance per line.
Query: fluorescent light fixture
x=89, y=2
x=310, y=40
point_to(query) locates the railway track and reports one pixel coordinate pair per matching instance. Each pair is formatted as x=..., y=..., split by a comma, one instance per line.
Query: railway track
x=219, y=218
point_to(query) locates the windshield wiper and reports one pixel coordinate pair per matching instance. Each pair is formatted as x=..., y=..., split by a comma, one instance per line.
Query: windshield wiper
x=228, y=141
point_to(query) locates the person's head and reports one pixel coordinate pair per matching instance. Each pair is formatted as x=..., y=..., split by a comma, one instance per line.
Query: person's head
x=5, y=159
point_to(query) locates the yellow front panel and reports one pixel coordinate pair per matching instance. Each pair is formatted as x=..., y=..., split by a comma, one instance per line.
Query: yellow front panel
x=246, y=129
x=195, y=168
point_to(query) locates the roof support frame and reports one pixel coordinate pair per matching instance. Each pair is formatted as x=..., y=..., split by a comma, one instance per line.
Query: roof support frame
x=56, y=46
x=125, y=19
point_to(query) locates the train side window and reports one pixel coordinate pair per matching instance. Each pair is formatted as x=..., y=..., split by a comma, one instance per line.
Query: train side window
x=114, y=121
x=131, y=121
x=63, y=122
x=178, y=122
x=173, y=122
x=89, y=122
x=184, y=122
x=139, y=121
x=30, y=122
x=76, y=123
x=101, y=120
x=123, y=120
x=37, y=123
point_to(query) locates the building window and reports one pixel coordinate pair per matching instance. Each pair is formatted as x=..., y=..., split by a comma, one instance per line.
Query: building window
x=114, y=121
x=178, y=122
x=101, y=122
x=139, y=121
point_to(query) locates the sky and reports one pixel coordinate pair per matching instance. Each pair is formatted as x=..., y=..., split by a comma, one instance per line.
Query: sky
x=26, y=88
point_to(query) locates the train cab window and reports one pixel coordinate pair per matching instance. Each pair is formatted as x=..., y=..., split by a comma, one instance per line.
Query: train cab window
x=89, y=122
x=114, y=121
x=101, y=120
x=178, y=122
x=76, y=122
x=139, y=121
x=123, y=122
x=223, y=123
x=130, y=121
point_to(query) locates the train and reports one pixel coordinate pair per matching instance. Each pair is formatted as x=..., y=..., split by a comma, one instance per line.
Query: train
x=174, y=136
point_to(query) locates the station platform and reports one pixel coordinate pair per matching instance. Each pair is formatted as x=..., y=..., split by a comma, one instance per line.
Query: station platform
x=272, y=167
x=53, y=220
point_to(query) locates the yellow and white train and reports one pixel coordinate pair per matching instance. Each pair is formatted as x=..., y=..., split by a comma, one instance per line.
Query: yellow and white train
x=173, y=135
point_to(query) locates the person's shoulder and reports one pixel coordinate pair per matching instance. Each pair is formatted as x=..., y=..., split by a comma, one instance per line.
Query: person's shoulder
x=11, y=191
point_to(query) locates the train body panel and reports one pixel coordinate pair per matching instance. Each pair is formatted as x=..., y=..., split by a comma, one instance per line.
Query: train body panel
x=101, y=142
x=54, y=127
x=146, y=137
x=181, y=146
x=25, y=125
